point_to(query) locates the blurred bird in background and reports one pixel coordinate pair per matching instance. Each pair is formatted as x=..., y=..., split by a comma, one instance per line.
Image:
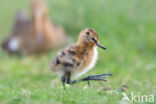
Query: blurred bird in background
x=34, y=35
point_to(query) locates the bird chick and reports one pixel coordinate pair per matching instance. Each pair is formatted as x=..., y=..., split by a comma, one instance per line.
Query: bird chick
x=79, y=58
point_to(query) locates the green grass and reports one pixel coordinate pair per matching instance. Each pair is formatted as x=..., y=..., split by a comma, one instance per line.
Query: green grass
x=126, y=27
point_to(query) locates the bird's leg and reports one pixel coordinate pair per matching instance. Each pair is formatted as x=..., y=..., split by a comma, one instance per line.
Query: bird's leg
x=68, y=81
x=92, y=77
x=63, y=79
x=96, y=77
x=68, y=77
x=88, y=78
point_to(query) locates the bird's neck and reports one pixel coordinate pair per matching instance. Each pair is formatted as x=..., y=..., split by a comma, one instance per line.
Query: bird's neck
x=84, y=47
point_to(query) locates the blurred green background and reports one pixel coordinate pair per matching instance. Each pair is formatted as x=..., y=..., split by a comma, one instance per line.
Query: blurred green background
x=126, y=27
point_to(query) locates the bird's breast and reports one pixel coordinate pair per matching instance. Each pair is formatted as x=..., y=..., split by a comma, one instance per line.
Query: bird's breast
x=88, y=62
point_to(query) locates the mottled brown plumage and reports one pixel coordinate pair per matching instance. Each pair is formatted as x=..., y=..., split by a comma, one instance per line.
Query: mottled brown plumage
x=78, y=58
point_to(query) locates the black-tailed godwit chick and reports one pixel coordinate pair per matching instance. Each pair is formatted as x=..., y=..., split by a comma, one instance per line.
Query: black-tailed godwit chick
x=79, y=58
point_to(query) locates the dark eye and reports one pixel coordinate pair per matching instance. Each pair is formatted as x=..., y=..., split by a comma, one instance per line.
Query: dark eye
x=87, y=33
x=93, y=39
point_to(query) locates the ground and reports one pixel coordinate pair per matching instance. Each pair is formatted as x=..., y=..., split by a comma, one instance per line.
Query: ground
x=126, y=27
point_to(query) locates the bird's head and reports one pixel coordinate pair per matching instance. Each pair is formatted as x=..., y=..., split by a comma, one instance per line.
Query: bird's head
x=89, y=36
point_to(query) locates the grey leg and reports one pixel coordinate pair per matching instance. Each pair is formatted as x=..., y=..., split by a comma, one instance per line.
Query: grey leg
x=68, y=77
x=63, y=79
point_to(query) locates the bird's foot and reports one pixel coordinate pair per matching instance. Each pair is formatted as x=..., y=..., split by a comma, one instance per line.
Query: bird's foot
x=96, y=78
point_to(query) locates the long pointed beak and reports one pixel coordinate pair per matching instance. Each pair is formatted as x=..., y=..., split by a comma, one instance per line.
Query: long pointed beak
x=99, y=45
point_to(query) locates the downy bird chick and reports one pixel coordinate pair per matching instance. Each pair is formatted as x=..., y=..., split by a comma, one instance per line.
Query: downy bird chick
x=79, y=58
